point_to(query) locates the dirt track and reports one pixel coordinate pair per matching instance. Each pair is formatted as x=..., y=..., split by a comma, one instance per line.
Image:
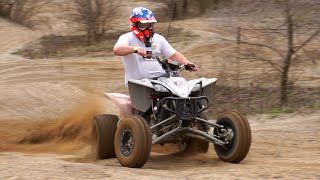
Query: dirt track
x=57, y=97
x=282, y=148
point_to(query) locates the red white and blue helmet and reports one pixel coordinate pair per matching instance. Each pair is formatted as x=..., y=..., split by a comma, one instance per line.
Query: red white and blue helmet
x=141, y=15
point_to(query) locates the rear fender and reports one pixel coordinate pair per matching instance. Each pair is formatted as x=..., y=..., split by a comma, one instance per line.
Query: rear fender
x=123, y=103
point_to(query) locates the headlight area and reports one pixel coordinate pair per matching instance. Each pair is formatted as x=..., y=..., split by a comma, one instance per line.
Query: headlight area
x=196, y=88
x=160, y=88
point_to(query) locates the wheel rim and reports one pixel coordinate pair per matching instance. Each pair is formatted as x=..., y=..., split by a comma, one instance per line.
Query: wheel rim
x=226, y=134
x=126, y=141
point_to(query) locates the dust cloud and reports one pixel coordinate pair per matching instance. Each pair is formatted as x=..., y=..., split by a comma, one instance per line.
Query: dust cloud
x=69, y=134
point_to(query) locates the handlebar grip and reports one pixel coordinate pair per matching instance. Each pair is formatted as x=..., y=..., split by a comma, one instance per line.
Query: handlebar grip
x=148, y=52
x=189, y=66
x=148, y=55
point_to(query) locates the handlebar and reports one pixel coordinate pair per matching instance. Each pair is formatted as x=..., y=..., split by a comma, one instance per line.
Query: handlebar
x=164, y=62
x=149, y=54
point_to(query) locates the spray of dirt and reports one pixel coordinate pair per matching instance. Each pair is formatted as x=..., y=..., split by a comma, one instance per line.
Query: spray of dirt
x=69, y=134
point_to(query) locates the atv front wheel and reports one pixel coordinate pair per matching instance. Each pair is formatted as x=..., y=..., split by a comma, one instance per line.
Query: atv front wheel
x=236, y=131
x=133, y=142
x=103, y=132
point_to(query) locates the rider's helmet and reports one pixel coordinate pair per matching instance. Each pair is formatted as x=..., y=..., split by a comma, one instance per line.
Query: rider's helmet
x=142, y=24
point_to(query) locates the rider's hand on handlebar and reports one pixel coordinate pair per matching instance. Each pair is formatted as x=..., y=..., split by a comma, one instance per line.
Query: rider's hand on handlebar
x=141, y=51
x=191, y=67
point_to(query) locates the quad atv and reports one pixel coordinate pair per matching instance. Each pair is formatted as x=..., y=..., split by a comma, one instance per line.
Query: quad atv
x=168, y=110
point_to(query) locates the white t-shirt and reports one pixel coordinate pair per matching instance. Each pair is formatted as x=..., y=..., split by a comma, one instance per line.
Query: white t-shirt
x=136, y=66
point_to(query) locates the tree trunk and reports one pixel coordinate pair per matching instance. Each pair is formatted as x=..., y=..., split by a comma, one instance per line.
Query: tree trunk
x=185, y=7
x=288, y=58
x=285, y=79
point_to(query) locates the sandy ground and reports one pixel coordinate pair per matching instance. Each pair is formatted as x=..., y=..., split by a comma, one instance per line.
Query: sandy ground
x=282, y=148
x=52, y=102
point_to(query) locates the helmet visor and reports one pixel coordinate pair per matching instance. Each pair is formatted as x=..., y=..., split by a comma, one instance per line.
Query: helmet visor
x=143, y=26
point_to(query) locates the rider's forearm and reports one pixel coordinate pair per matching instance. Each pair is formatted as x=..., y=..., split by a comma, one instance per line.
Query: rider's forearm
x=179, y=58
x=123, y=50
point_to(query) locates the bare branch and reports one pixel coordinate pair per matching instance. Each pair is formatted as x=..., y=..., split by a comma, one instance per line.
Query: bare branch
x=274, y=65
x=259, y=75
x=264, y=46
x=308, y=40
x=95, y=16
x=23, y=10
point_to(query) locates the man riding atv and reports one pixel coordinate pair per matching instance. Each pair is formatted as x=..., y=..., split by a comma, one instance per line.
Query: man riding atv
x=133, y=47
x=163, y=107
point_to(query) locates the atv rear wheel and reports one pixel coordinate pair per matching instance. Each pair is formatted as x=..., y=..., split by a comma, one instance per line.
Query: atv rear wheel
x=133, y=141
x=236, y=130
x=103, y=132
x=193, y=144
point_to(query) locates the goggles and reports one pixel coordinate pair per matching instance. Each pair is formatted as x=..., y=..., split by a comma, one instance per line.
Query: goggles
x=143, y=26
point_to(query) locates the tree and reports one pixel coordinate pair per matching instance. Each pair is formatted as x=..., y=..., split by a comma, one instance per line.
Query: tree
x=95, y=16
x=22, y=11
x=188, y=8
x=299, y=28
